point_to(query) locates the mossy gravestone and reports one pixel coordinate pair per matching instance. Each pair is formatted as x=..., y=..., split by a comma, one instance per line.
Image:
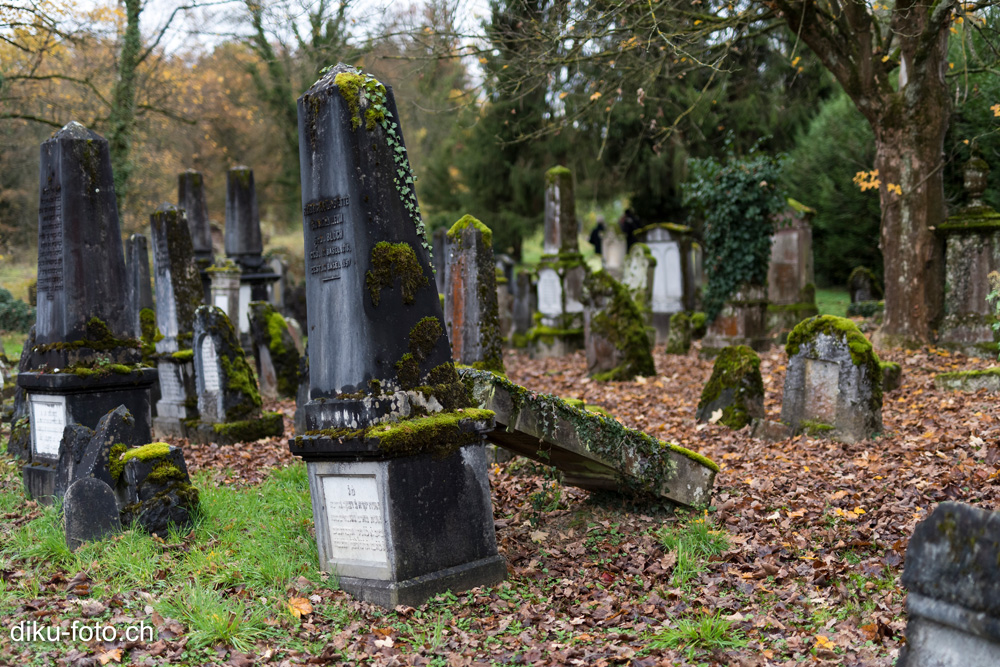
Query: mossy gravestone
x=244, y=245
x=833, y=386
x=228, y=400
x=178, y=295
x=140, y=287
x=191, y=198
x=561, y=272
x=953, y=600
x=865, y=292
x=470, y=296
x=274, y=351
x=84, y=360
x=614, y=331
x=394, y=450
x=734, y=394
x=525, y=305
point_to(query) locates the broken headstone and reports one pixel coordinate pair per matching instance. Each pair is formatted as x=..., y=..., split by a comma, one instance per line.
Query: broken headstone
x=734, y=394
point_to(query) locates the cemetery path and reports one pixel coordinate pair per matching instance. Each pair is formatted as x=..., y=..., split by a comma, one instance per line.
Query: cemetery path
x=815, y=536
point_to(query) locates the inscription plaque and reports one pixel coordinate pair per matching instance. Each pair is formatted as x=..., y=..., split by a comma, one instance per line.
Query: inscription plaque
x=668, y=286
x=209, y=365
x=821, y=390
x=48, y=419
x=222, y=303
x=354, y=519
x=50, y=242
x=329, y=253
x=549, y=293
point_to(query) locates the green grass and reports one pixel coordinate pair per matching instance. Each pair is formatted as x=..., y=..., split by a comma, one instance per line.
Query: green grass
x=11, y=344
x=833, y=301
x=17, y=270
x=694, y=541
x=709, y=633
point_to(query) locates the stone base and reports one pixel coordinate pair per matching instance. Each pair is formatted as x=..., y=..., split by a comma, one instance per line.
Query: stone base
x=271, y=424
x=400, y=530
x=40, y=483
x=972, y=335
x=547, y=347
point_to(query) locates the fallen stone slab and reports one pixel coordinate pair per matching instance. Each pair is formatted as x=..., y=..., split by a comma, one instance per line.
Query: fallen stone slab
x=988, y=379
x=592, y=451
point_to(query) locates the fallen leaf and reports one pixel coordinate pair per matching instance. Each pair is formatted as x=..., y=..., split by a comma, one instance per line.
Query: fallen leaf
x=299, y=607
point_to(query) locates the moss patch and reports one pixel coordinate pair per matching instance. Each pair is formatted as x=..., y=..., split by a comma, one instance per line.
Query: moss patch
x=183, y=355
x=621, y=323
x=352, y=87
x=97, y=336
x=735, y=386
x=455, y=233
x=270, y=424
x=389, y=262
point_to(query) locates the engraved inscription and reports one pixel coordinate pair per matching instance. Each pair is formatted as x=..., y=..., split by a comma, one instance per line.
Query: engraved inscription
x=354, y=519
x=821, y=391
x=171, y=388
x=161, y=258
x=329, y=253
x=209, y=365
x=50, y=242
x=48, y=419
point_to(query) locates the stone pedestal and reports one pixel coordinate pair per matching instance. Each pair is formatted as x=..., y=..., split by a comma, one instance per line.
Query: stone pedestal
x=225, y=279
x=673, y=284
x=743, y=321
x=791, y=292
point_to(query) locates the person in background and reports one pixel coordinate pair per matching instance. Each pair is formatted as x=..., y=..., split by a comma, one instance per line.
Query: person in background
x=629, y=224
x=597, y=235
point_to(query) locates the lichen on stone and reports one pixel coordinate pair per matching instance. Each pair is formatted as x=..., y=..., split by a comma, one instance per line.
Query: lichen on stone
x=735, y=387
x=621, y=323
x=392, y=261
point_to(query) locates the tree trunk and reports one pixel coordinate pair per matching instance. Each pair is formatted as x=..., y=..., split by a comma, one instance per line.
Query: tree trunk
x=122, y=116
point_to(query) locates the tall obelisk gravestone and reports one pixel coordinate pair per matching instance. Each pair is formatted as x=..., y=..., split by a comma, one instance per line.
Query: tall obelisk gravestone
x=191, y=198
x=85, y=330
x=400, y=499
x=244, y=245
x=178, y=295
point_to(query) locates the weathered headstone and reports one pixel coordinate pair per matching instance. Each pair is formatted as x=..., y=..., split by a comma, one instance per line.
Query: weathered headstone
x=243, y=243
x=561, y=272
x=505, y=307
x=953, y=599
x=591, y=451
x=228, y=400
x=742, y=321
x=833, y=386
x=613, y=251
x=673, y=291
x=525, y=305
x=470, y=297
x=276, y=291
x=225, y=288
x=90, y=510
x=274, y=350
x=734, y=394
x=972, y=251
x=616, y=344
x=178, y=295
x=638, y=278
x=140, y=287
x=401, y=502
x=191, y=198
x=679, y=338
x=987, y=378
x=863, y=286
x=791, y=293
x=84, y=360
x=153, y=487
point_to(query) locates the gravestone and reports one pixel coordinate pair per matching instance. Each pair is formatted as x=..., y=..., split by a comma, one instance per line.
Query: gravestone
x=85, y=358
x=561, y=272
x=865, y=293
x=276, y=291
x=275, y=351
x=228, y=400
x=140, y=287
x=953, y=599
x=90, y=512
x=524, y=308
x=742, y=321
x=616, y=344
x=153, y=488
x=225, y=289
x=592, y=451
x=679, y=338
x=791, y=293
x=833, y=386
x=613, y=251
x=505, y=307
x=471, y=310
x=394, y=449
x=179, y=293
x=673, y=291
x=734, y=394
x=244, y=245
x=191, y=198
x=972, y=251
x=638, y=278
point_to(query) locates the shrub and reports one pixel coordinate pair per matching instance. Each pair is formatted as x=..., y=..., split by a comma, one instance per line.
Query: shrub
x=15, y=315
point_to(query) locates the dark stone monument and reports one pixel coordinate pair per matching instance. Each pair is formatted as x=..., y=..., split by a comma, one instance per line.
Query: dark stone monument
x=972, y=251
x=615, y=338
x=525, y=305
x=561, y=272
x=440, y=257
x=470, y=297
x=90, y=510
x=275, y=351
x=244, y=245
x=179, y=292
x=833, y=386
x=734, y=395
x=153, y=488
x=140, y=287
x=191, y=198
x=397, y=469
x=953, y=600
x=228, y=400
x=791, y=292
x=673, y=286
x=84, y=360
x=19, y=442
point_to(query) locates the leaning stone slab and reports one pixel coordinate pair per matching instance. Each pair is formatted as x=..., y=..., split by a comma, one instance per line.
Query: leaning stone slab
x=953, y=605
x=988, y=379
x=90, y=512
x=591, y=451
x=734, y=394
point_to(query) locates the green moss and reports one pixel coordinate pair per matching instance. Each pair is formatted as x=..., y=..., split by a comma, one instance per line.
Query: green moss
x=226, y=266
x=153, y=450
x=439, y=434
x=183, y=355
x=865, y=308
x=669, y=226
x=115, y=463
x=443, y=383
x=424, y=337
x=972, y=219
x=699, y=324
x=276, y=328
x=408, y=371
x=960, y=375
x=392, y=261
x=149, y=333
x=455, y=233
x=562, y=262
x=862, y=352
x=164, y=472
x=352, y=86
x=239, y=378
x=621, y=323
x=548, y=335
x=800, y=208
x=737, y=368
x=679, y=339
x=270, y=424
x=553, y=174
x=519, y=340
x=695, y=456
x=815, y=428
x=97, y=337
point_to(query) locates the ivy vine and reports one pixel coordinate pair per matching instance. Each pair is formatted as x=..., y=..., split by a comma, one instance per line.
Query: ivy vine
x=736, y=199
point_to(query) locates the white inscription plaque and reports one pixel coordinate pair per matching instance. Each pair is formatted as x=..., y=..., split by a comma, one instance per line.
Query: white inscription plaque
x=222, y=303
x=48, y=419
x=209, y=365
x=549, y=293
x=668, y=283
x=354, y=520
